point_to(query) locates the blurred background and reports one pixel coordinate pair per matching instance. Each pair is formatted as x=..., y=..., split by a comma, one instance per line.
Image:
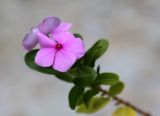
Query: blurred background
x=131, y=26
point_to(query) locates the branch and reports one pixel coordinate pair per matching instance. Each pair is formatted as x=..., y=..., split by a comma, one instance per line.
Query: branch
x=126, y=103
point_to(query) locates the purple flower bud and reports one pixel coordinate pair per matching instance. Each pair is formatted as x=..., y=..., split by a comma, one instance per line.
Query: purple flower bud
x=48, y=25
x=30, y=40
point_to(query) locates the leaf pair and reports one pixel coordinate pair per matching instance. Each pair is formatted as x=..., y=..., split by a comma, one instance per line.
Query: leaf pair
x=78, y=96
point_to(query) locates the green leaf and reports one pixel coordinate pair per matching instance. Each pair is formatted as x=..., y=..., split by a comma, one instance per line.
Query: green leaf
x=84, y=76
x=84, y=71
x=95, y=105
x=29, y=60
x=96, y=51
x=64, y=76
x=80, y=101
x=77, y=35
x=75, y=96
x=88, y=96
x=106, y=79
x=116, y=89
x=124, y=111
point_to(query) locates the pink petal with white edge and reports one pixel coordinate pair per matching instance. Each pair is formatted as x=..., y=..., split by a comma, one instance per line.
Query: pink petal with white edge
x=63, y=27
x=75, y=46
x=44, y=41
x=63, y=61
x=63, y=37
x=45, y=57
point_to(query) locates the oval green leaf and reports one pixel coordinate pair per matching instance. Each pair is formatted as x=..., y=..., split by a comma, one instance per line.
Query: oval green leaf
x=74, y=96
x=106, y=79
x=96, y=51
x=116, y=89
x=124, y=111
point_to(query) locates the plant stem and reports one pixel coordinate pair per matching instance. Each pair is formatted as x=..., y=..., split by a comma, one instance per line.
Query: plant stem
x=126, y=103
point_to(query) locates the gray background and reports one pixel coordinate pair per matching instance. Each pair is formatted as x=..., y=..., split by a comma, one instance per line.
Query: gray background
x=131, y=26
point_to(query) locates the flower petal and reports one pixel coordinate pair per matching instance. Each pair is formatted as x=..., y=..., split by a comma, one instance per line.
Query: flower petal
x=30, y=41
x=45, y=57
x=62, y=37
x=63, y=61
x=75, y=46
x=44, y=41
x=64, y=26
x=49, y=24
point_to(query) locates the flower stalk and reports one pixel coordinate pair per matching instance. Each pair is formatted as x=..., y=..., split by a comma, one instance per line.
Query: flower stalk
x=126, y=103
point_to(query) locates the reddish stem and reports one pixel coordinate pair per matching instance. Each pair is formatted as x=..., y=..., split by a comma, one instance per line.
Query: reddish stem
x=126, y=103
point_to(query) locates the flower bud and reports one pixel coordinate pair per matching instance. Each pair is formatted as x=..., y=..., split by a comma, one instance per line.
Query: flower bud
x=29, y=42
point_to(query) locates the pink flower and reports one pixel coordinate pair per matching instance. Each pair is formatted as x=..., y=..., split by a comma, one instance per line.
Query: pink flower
x=49, y=26
x=61, y=51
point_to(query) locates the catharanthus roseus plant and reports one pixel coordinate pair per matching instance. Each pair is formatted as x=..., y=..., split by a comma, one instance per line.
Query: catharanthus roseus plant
x=62, y=54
